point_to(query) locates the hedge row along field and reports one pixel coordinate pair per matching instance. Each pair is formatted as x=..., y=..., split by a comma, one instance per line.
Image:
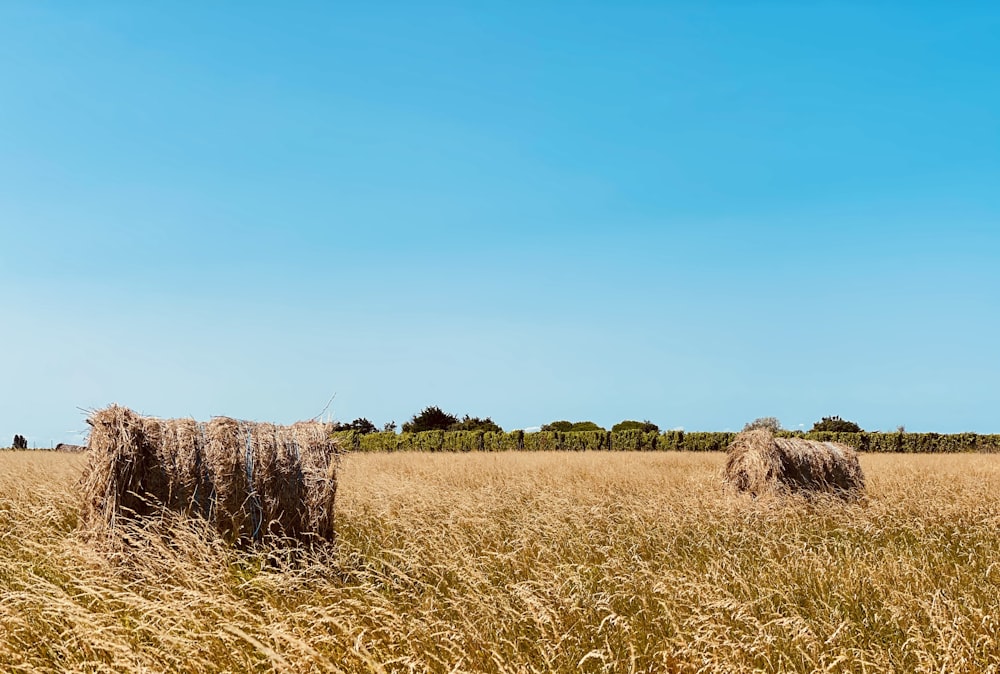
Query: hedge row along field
x=477, y=441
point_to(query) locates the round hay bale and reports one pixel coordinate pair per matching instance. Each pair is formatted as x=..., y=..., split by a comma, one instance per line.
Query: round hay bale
x=760, y=463
x=66, y=447
x=252, y=481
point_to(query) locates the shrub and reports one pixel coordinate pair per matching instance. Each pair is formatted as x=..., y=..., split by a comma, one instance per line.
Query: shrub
x=768, y=423
x=430, y=419
x=476, y=424
x=836, y=425
x=362, y=426
x=642, y=426
x=572, y=427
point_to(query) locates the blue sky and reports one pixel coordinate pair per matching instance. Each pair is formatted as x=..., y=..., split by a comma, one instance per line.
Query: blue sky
x=693, y=213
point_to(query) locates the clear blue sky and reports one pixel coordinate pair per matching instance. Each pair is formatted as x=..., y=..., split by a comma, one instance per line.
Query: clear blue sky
x=693, y=213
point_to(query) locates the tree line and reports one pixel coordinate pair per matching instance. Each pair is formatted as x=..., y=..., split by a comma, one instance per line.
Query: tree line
x=433, y=418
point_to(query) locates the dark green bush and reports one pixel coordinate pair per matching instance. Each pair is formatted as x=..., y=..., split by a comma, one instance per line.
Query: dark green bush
x=629, y=425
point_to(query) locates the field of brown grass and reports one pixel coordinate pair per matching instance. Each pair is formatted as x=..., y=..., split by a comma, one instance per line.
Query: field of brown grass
x=570, y=562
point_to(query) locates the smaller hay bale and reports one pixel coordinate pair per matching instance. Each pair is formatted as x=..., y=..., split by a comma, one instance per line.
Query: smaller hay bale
x=760, y=463
x=252, y=481
x=66, y=447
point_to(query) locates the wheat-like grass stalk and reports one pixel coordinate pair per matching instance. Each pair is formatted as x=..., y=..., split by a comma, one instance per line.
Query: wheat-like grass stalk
x=591, y=562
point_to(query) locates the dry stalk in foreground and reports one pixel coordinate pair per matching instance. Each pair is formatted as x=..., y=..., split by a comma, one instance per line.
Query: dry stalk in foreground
x=583, y=562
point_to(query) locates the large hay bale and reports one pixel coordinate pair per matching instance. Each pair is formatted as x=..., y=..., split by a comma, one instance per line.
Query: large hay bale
x=250, y=480
x=760, y=463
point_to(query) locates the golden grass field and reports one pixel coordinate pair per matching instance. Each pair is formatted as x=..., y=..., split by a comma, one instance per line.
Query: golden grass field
x=588, y=562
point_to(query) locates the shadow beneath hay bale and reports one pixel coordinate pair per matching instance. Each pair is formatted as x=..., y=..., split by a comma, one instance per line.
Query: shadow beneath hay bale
x=759, y=463
x=255, y=483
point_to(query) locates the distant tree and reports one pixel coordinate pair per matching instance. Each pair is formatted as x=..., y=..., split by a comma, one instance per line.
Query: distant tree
x=20, y=442
x=566, y=426
x=362, y=426
x=629, y=425
x=430, y=419
x=770, y=423
x=476, y=424
x=836, y=425
x=389, y=427
x=900, y=429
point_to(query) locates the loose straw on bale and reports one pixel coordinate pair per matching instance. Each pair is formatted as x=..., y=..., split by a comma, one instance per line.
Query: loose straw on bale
x=760, y=463
x=250, y=480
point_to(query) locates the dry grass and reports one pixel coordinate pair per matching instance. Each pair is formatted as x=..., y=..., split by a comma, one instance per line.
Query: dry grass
x=526, y=563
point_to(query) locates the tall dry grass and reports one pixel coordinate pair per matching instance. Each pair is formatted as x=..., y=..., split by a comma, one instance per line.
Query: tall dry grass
x=525, y=563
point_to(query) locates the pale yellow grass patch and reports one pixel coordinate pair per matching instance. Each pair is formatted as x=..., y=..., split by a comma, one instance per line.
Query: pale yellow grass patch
x=526, y=563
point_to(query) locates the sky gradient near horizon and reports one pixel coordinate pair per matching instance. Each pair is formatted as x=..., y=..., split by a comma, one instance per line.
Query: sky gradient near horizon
x=692, y=213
